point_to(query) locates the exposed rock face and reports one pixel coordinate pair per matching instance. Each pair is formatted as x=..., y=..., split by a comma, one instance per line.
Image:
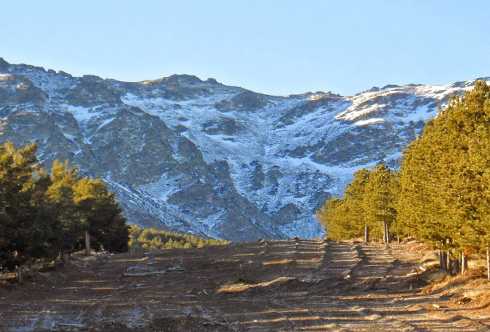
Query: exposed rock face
x=202, y=157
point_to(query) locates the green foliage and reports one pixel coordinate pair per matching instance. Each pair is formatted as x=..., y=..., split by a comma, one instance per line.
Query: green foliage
x=69, y=222
x=445, y=187
x=368, y=200
x=22, y=212
x=334, y=216
x=101, y=215
x=442, y=192
x=43, y=215
x=151, y=238
x=379, y=199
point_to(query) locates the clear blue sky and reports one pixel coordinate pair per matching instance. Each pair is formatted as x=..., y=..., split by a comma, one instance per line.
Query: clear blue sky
x=271, y=46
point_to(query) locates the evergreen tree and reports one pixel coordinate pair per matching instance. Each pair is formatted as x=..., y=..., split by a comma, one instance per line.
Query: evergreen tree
x=333, y=217
x=16, y=210
x=444, y=195
x=101, y=215
x=368, y=204
x=42, y=215
x=26, y=229
x=61, y=198
x=344, y=218
x=379, y=201
x=353, y=199
x=440, y=196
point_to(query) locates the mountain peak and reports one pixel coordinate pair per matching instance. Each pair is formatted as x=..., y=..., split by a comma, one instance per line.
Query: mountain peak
x=182, y=79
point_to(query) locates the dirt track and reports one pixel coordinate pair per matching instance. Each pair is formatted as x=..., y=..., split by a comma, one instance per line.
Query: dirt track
x=263, y=286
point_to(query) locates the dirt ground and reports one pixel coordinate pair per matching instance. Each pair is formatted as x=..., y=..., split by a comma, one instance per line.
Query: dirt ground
x=264, y=286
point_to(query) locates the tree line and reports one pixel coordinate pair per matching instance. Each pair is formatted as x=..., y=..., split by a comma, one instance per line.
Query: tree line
x=48, y=214
x=152, y=238
x=440, y=194
x=367, y=207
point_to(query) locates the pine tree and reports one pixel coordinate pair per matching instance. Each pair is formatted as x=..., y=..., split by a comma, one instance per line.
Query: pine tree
x=353, y=199
x=101, y=215
x=43, y=215
x=348, y=217
x=444, y=195
x=17, y=187
x=26, y=229
x=60, y=196
x=379, y=201
x=333, y=217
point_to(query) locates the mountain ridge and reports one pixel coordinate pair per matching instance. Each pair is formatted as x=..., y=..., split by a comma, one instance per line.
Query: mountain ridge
x=202, y=157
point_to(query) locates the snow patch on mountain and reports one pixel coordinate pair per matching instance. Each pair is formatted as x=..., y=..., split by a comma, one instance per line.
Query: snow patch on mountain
x=210, y=159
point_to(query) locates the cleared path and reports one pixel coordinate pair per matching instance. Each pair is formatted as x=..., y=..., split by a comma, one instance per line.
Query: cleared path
x=264, y=286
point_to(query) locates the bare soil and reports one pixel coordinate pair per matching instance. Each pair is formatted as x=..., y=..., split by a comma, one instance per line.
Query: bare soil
x=264, y=286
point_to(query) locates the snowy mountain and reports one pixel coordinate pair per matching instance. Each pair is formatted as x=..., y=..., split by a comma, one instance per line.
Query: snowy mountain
x=210, y=159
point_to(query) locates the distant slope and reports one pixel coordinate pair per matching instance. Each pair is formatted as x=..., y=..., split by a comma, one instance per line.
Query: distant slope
x=210, y=159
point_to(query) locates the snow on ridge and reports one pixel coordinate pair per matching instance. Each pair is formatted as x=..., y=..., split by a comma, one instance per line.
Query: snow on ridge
x=367, y=122
x=371, y=103
x=275, y=154
x=80, y=113
x=262, y=142
x=105, y=123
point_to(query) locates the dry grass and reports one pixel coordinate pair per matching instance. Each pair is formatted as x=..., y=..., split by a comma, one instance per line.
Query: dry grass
x=246, y=288
x=278, y=262
x=242, y=286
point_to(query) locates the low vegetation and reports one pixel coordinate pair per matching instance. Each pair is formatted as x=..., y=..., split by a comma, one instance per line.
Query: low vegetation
x=151, y=238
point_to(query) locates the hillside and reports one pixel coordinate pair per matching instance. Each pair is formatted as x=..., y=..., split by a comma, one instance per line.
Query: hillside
x=201, y=157
x=261, y=286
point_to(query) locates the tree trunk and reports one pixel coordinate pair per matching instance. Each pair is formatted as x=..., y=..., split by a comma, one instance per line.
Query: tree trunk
x=488, y=263
x=442, y=260
x=386, y=236
x=453, y=264
x=398, y=238
x=87, y=243
x=64, y=256
x=384, y=233
x=366, y=234
x=448, y=261
x=463, y=263
x=20, y=277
